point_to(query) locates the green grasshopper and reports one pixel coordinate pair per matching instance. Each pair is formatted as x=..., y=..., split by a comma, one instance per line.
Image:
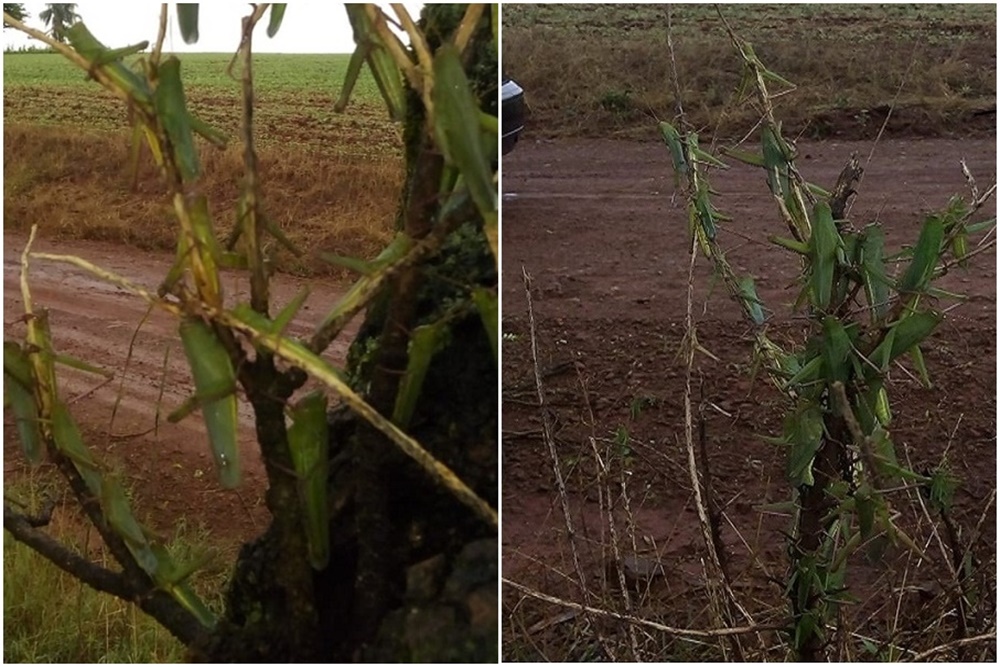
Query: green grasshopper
x=109, y=62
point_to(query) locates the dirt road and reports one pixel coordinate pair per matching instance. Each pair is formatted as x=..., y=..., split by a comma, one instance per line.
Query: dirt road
x=593, y=222
x=98, y=322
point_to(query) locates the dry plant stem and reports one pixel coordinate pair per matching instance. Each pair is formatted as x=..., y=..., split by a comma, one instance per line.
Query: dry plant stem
x=605, y=505
x=601, y=483
x=967, y=641
x=666, y=629
x=468, y=25
x=551, y=444
x=396, y=49
x=716, y=579
x=888, y=115
x=416, y=38
x=161, y=35
x=128, y=360
x=267, y=389
x=958, y=587
x=675, y=80
x=720, y=593
x=252, y=232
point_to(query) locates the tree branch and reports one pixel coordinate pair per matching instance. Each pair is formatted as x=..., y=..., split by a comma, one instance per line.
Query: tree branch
x=24, y=530
x=131, y=584
x=158, y=604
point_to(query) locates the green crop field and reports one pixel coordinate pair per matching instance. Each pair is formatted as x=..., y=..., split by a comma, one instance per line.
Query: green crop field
x=295, y=95
x=600, y=70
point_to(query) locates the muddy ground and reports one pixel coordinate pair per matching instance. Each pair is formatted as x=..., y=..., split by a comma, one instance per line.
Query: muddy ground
x=595, y=224
x=170, y=464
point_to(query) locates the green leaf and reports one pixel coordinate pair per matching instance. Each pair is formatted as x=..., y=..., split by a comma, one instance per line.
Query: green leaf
x=277, y=14
x=171, y=580
x=171, y=109
x=803, y=431
x=925, y=256
x=187, y=21
x=214, y=375
x=370, y=49
x=918, y=362
x=836, y=350
x=746, y=157
x=487, y=303
x=673, y=140
x=750, y=301
x=354, y=264
x=824, y=243
x=873, y=274
x=308, y=442
x=456, y=126
x=291, y=309
x=425, y=341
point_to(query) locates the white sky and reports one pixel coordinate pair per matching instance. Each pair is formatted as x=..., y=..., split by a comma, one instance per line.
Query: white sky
x=308, y=27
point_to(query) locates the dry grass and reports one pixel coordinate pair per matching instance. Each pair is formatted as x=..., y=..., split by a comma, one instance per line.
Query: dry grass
x=77, y=184
x=604, y=71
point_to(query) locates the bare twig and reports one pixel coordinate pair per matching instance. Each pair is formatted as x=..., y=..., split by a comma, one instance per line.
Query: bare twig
x=679, y=632
x=161, y=35
x=721, y=596
x=468, y=25
x=606, y=506
x=921, y=657
x=550, y=442
x=888, y=115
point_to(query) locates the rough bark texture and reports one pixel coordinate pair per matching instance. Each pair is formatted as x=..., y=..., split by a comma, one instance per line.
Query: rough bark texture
x=412, y=574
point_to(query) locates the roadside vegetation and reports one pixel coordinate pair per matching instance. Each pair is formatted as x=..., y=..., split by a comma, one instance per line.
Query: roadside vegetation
x=600, y=71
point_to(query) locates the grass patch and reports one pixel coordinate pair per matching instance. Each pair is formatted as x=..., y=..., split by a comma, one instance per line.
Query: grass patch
x=49, y=616
x=846, y=65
